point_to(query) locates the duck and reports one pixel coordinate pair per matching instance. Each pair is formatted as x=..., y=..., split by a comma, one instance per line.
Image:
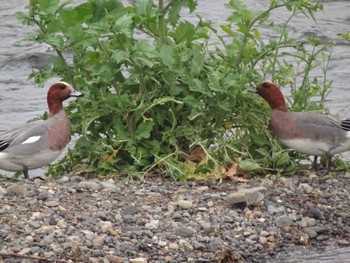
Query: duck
x=309, y=133
x=36, y=144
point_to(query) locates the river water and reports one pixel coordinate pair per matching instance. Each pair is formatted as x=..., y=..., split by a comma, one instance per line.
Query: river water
x=21, y=99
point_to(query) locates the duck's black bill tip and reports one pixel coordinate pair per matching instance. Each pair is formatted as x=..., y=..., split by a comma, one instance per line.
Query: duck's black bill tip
x=251, y=87
x=76, y=93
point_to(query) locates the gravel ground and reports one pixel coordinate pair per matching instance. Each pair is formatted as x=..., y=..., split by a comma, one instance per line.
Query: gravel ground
x=77, y=219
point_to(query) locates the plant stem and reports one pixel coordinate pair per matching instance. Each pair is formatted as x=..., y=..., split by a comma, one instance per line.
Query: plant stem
x=161, y=23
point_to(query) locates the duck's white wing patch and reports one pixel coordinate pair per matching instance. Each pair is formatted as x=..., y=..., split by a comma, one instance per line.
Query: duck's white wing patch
x=31, y=139
x=3, y=156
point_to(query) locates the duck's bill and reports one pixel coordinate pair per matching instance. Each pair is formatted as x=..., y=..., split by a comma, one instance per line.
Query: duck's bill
x=251, y=87
x=76, y=93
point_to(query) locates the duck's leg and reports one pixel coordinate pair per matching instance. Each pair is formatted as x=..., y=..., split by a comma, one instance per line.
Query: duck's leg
x=314, y=163
x=328, y=166
x=25, y=172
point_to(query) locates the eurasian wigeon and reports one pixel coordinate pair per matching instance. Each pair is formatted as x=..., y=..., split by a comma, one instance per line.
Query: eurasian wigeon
x=36, y=144
x=305, y=132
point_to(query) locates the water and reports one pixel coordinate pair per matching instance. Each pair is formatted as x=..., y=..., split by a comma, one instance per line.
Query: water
x=21, y=99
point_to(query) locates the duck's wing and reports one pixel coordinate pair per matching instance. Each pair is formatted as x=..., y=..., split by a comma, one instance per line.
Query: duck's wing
x=345, y=124
x=318, y=120
x=27, y=133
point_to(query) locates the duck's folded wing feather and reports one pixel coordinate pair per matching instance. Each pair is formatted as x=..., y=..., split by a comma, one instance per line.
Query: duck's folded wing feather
x=345, y=124
x=29, y=132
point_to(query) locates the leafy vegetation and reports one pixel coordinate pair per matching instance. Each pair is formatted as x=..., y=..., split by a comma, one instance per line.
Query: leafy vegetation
x=165, y=95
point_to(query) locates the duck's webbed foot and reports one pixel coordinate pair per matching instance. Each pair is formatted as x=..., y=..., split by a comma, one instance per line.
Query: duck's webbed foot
x=322, y=172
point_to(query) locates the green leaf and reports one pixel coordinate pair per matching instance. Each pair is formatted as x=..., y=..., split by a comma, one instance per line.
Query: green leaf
x=227, y=29
x=119, y=55
x=143, y=7
x=184, y=32
x=48, y=7
x=166, y=54
x=175, y=8
x=23, y=18
x=124, y=25
x=249, y=165
x=144, y=130
x=281, y=158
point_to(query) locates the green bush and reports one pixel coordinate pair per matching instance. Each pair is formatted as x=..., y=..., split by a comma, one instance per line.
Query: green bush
x=159, y=87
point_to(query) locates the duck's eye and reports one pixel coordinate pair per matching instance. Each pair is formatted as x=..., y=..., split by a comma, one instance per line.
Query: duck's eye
x=266, y=85
x=62, y=86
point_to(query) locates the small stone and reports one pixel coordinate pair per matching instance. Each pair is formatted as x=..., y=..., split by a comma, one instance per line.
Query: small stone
x=106, y=226
x=47, y=229
x=64, y=179
x=94, y=260
x=307, y=221
x=162, y=243
x=310, y=232
x=313, y=176
x=322, y=237
x=184, y=232
x=35, y=216
x=114, y=259
x=109, y=186
x=343, y=242
x=173, y=246
x=138, y=260
x=185, y=246
x=2, y=192
x=43, y=196
x=304, y=239
x=62, y=223
x=184, y=204
x=76, y=179
x=98, y=241
x=90, y=185
x=24, y=251
x=17, y=189
x=206, y=226
x=203, y=188
x=52, y=203
x=154, y=224
x=264, y=233
x=251, y=196
x=34, y=224
x=306, y=188
x=29, y=239
x=131, y=210
x=283, y=221
x=262, y=240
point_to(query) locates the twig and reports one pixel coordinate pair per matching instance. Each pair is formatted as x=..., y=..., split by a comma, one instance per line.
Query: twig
x=40, y=259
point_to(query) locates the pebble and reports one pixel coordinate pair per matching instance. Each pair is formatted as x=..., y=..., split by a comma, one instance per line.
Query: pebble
x=306, y=188
x=184, y=204
x=184, y=232
x=283, y=221
x=138, y=260
x=109, y=186
x=2, y=192
x=98, y=241
x=17, y=189
x=153, y=224
x=173, y=246
x=251, y=196
x=90, y=185
x=307, y=221
x=185, y=246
